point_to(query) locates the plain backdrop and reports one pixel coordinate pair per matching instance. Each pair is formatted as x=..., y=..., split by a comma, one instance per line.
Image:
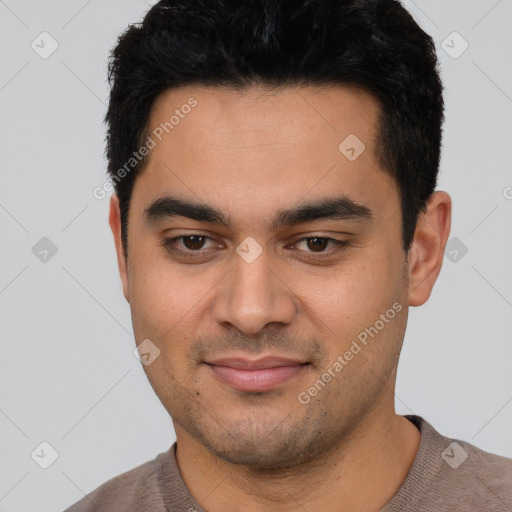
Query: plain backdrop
x=68, y=376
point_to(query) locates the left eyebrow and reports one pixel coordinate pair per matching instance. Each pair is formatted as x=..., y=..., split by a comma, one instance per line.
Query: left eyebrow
x=340, y=208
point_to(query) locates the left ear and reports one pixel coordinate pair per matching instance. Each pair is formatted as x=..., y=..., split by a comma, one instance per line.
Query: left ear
x=427, y=250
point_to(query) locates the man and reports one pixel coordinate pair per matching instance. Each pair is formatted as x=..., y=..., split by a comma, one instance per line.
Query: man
x=274, y=216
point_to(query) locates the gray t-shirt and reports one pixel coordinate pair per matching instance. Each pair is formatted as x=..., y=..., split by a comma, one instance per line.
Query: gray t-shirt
x=447, y=475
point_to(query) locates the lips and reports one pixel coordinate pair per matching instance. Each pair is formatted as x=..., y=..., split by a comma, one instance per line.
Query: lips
x=256, y=375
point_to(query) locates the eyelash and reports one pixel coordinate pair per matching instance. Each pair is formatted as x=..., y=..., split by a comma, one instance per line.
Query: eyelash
x=169, y=245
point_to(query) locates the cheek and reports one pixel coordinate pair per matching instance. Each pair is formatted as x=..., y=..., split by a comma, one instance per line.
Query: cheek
x=362, y=316
x=353, y=294
x=165, y=297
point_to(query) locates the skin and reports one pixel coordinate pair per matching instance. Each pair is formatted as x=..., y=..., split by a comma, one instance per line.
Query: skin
x=250, y=154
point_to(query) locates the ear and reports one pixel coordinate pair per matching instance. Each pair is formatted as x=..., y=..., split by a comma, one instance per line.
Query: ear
x=114, y=219
x=427, y=250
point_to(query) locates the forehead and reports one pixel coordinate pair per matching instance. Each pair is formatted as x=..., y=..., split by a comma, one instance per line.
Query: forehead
x=278, y=145
x=238, y=119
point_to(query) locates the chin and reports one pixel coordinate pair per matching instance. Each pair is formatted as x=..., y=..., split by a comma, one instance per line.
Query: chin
x=266, y=447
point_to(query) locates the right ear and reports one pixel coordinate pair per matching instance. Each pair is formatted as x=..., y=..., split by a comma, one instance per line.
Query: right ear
x=114, y=219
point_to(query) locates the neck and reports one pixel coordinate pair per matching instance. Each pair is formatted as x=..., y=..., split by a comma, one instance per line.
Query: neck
x=362, y=473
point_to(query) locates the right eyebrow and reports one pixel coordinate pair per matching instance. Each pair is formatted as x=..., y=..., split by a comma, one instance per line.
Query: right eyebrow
x=168, y=206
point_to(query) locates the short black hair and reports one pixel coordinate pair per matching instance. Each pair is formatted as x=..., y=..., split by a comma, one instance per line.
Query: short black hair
x=374, y=45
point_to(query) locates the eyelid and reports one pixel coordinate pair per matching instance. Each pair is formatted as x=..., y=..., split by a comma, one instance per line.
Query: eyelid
x=339, y=245
x=168, y=244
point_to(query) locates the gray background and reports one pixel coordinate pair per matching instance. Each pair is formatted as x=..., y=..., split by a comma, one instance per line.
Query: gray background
x=67, y=372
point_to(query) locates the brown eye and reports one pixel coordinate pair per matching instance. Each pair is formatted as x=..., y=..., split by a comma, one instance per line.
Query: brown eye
x=194, y=242
x=192, y=245
x=317, y=243
x=320, y=246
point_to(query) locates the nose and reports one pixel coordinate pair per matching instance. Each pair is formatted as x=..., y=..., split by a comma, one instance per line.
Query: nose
x=253, y=295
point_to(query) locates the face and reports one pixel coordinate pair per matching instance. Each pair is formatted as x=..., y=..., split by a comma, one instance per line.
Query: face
x=265, y=263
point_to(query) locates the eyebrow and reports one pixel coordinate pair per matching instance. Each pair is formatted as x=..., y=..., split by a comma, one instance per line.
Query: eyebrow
x=341, y=208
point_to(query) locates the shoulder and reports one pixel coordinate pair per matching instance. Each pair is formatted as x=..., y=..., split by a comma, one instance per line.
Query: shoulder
x=466, y=476
x=134, y=490
x=478, y=473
